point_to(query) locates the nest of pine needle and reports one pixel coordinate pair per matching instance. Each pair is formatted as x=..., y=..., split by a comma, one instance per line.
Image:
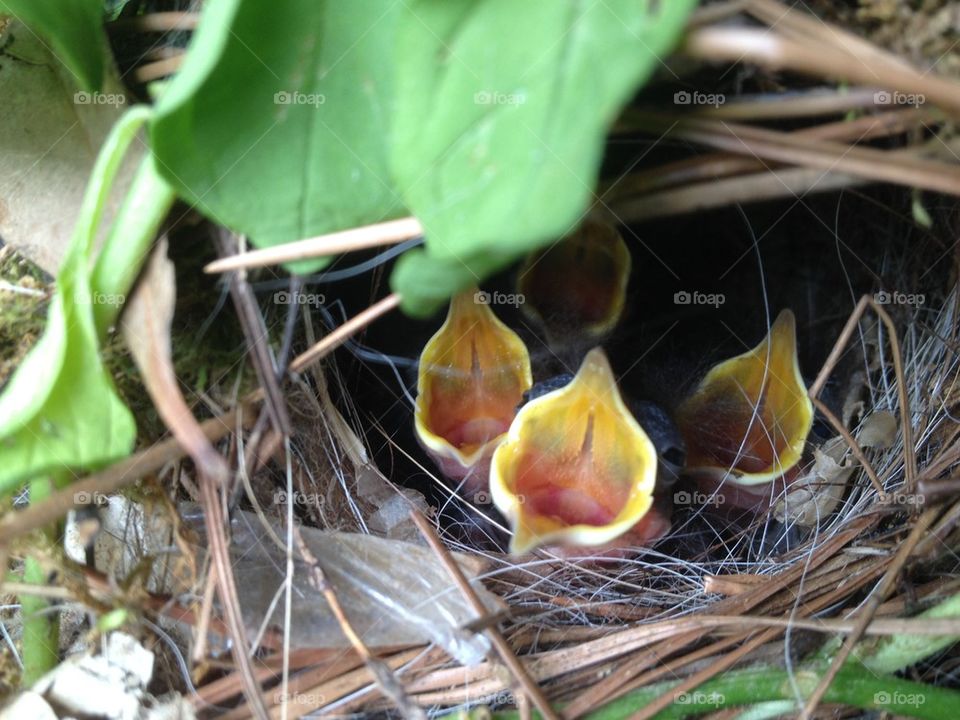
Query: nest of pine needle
x=706, y=599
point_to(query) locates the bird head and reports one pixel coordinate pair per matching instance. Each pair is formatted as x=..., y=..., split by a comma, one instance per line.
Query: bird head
x=576, y=468
x=748, y=420
x=472, y=375
x=576, y=288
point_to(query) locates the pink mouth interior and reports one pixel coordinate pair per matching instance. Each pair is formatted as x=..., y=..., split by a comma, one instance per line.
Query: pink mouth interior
x=476, y=431
x=569, y=506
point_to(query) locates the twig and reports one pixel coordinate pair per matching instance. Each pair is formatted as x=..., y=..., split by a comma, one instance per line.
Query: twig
x=852, y=443
x=869, y=163
x=503, y=649
x=151, y=71
x=814, y=58
x=360, y=238
x=155, y=22
x=909, y=452
x=344, y=332
x=255, y=332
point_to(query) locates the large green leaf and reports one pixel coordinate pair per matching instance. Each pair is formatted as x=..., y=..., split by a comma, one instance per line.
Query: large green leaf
x=60, y=411
x=501, y=112
x=73, y=28
x=276, y=125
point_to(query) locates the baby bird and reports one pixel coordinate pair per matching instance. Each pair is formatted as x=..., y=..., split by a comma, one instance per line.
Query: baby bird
x=576, y=288
x=746, y=424
x=472, y=375
x=577, y=468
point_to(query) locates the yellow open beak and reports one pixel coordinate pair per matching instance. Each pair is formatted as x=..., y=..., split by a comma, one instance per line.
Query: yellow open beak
x=750, y=416
x=575, y=468
x=577, y=287
x=472, y=376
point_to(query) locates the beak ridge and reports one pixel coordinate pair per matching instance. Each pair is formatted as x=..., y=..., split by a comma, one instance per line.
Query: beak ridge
x=575, y=468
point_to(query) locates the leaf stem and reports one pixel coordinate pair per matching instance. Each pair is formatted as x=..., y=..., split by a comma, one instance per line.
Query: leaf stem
x=128, y=244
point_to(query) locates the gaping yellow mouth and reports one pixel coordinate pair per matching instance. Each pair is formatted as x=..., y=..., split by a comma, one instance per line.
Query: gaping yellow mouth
x=577, y=286
x=575, y=468
x=472, y=376
x=750, y=417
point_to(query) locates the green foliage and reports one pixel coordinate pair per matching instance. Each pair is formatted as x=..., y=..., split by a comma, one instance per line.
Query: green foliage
x=501, y=112
x=486, y=118
x=276, y=125
x=60, y=409
x=73, y=30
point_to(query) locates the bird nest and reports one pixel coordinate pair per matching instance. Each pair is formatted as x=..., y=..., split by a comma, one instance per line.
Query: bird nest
x=713, y=596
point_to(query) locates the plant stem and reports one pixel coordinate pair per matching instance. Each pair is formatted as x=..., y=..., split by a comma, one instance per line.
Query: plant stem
x=128, y=244
x=854, y=686
x=41, y=628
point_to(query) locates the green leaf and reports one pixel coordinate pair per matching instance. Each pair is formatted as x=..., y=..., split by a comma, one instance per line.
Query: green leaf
x=501, y=112
x=60, y=410
x=427, y=283
x=73, y=28
x=276, y=126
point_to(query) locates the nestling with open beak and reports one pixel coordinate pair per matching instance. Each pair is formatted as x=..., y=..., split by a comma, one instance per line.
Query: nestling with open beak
x=576, y=288
x=472, y=375
x=577, y=469
x=746, y=424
